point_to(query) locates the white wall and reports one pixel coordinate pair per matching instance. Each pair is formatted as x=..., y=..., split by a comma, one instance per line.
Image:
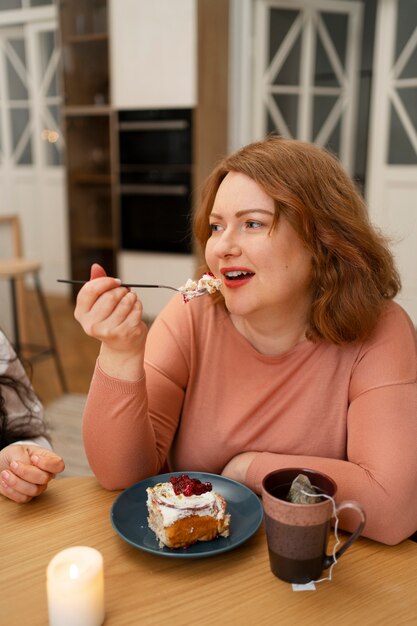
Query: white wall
x=39, y=200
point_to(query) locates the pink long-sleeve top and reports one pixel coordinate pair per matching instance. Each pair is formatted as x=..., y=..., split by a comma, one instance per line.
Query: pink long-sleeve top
x=208, y=395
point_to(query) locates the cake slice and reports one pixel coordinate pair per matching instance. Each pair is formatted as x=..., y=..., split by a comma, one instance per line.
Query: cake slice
x=184, y=511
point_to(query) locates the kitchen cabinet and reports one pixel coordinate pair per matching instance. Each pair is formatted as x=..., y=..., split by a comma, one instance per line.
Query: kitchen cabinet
x=153, y=53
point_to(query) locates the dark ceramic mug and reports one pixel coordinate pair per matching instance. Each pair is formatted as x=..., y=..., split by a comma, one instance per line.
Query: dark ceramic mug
x=297, y=534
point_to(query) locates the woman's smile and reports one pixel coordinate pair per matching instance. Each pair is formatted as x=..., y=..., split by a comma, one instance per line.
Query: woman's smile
x=234, y=277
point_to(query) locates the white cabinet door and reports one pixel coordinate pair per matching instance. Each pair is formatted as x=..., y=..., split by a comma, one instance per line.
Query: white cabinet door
x=153, y=53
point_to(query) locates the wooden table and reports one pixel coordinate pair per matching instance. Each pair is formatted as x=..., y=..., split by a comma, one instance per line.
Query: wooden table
x=372, y=583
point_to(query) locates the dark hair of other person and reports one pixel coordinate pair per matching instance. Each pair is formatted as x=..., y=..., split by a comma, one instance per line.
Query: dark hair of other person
x=353, y=271
x=29, y=425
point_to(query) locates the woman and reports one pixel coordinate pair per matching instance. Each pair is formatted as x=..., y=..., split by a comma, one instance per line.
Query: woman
x=302, y=360
x=27, y=463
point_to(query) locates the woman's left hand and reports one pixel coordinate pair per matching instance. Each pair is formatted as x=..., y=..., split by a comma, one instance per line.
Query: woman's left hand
x=26, y=471
x=237, y=468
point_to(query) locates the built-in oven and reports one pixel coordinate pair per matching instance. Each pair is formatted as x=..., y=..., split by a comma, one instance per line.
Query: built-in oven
x=155, y=179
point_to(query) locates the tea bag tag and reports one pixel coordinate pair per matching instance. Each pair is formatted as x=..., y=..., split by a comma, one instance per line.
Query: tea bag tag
x=307, y=587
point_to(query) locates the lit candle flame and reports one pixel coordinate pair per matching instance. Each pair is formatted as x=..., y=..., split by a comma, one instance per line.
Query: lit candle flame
x=74, y=572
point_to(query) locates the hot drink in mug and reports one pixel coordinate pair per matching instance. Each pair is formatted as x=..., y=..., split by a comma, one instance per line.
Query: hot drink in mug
x=297, y=534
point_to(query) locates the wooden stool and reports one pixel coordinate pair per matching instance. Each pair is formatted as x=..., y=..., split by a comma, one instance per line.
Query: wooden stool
x=14, y=270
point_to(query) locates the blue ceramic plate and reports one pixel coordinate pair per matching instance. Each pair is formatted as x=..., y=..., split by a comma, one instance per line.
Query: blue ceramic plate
x=129, y=517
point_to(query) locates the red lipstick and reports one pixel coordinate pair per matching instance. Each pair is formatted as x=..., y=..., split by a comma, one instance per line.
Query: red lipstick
x=236, y=276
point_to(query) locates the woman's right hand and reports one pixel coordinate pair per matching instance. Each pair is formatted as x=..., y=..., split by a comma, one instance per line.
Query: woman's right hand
x=113, y=314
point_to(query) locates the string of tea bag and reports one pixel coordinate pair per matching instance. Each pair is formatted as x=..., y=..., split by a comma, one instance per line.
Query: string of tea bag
x=336, y=535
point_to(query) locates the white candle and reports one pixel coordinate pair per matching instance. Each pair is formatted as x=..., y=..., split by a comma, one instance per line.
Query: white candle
x=75, y=588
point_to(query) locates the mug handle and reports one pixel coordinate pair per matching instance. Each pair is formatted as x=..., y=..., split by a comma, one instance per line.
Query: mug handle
x=347, y=504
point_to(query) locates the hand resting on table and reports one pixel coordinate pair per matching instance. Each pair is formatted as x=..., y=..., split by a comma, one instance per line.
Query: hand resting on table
x=26, y=470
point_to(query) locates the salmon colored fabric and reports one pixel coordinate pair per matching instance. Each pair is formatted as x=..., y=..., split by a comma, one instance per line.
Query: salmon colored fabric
x=349, y=411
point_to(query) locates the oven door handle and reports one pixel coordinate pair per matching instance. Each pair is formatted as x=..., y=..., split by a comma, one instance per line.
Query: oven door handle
x=155, y=190
x=155, y=125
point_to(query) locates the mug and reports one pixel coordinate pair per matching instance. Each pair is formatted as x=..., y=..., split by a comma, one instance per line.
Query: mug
x=297, y=534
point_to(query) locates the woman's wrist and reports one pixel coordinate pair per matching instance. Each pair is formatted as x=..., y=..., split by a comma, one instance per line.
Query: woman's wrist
x=122, y=365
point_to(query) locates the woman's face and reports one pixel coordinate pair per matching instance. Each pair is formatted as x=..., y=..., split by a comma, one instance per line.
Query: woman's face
x=264, y=269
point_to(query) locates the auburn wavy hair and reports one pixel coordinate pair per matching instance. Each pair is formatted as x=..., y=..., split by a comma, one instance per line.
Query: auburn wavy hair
x=353, y=270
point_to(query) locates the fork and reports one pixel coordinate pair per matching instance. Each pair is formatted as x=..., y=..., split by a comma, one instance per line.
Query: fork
x=187, y=293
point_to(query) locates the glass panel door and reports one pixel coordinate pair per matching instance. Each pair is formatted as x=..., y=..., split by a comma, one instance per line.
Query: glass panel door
x=392, y=172
x=403, y=92
x=15, y=98
x=29, y=96
x=46, y=73
x=307, y=71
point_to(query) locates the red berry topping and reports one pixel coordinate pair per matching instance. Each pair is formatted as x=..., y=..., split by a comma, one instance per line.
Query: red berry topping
x=189, y=486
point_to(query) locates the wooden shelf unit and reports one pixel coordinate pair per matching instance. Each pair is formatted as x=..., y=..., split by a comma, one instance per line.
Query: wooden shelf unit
x=89, y=132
